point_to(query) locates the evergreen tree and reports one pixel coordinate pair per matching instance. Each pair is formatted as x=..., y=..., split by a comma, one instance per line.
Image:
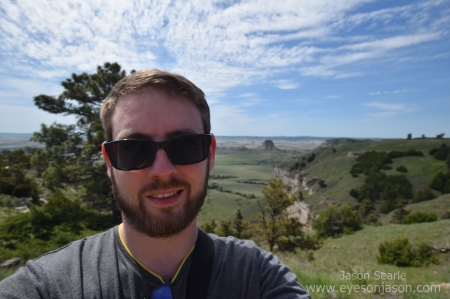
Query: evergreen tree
x=209, y=227
x=335, y=221
x=365, y=210
x=441, y=182
x=14, y=179
x=273, y=225
x=225, y=228
x=400, y=213
x=73, y=152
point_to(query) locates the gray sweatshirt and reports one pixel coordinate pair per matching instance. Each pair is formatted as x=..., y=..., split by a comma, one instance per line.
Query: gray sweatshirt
x=100, y=267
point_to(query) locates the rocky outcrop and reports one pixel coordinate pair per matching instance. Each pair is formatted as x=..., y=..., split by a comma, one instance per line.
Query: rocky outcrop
x=340, y=141
x=289, y=179
x=295, y=180
x=268, y=145
x=10, y=263
x=300, y=211
x=355, y=154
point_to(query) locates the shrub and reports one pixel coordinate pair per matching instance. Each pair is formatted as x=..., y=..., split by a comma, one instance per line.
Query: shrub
x=322, y=184
x=402, y=168
x=442, y=152
x=419, y=217
x=424, y=195
x=311, y=158
x=335, y=221
x=441, y=182
x=446, y=215
x=402, y=253
x=397, y=252
x=400, y=213
x=28, y=235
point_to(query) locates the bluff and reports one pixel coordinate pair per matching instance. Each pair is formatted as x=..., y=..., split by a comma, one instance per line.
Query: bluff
x=268, y=145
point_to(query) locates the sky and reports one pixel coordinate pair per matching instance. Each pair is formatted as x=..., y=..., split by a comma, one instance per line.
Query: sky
x=341, y=68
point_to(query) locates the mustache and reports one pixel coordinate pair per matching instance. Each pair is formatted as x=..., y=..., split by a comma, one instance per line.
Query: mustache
x=156, y=185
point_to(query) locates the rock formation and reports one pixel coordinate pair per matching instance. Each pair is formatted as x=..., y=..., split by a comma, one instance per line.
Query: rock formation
x=268, y=145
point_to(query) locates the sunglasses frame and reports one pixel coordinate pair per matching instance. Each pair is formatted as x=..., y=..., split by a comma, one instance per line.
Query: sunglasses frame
x=107, y=149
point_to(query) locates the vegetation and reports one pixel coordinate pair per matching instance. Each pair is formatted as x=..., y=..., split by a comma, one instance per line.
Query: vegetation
x=419, y=217
x=402, y=253
x=60, y=221
x=273, y=224
x=373, y=161
x=14, y=179
x=441, y=182
x=423, y=195
x=335, y=221
x=366, y=212
x=400, y=213
x=401, y=168
x=72, y=155
x=272, y=227
x=388, y=188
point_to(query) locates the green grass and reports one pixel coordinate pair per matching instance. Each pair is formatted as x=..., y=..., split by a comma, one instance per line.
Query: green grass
x=357, y=254
x=438, y=206
x=255, y=166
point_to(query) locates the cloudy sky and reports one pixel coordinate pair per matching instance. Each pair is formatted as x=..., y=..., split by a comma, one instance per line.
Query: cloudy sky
x=341, y=68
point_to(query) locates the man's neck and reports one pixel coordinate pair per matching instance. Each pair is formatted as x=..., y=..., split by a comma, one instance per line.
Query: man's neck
x=162, y=256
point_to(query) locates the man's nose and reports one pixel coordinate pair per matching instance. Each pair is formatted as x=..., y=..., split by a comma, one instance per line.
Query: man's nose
x=162, y=166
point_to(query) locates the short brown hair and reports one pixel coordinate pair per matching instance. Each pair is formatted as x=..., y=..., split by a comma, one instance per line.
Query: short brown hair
x=148, y=79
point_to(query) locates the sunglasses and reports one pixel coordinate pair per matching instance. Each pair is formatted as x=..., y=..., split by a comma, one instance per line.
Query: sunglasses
x=134, y=154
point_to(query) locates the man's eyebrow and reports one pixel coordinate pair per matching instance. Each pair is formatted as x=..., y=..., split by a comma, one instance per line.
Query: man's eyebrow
x=136, y=135
x=180, y=132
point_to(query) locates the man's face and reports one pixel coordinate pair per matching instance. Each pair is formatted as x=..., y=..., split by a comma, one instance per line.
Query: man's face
x=164, y=199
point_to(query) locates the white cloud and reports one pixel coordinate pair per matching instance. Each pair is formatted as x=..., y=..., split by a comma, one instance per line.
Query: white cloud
x=238, y=42
x=397, y=91
x=286, y=84
x=389, y=109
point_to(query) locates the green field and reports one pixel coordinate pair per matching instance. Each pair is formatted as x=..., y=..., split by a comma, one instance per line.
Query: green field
x=246, y=172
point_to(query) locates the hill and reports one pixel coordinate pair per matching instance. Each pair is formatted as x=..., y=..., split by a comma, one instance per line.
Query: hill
x=341, y=141
x=326, y=179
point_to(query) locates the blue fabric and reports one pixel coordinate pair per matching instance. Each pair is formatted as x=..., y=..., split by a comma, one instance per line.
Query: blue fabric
x=163, y=292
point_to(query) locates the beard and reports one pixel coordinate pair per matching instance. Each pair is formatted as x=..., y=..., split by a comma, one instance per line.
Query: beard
x=166, y=222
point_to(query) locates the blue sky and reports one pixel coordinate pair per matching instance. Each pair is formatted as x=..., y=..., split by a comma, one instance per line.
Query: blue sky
x=341, y=68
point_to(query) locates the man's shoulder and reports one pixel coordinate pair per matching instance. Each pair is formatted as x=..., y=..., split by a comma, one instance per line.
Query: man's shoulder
x=73, y=251
x=232, y=247
x=231, y=241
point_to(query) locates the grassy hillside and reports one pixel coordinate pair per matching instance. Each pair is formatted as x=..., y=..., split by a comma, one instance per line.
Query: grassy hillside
x=333, y=166
x=357, y=254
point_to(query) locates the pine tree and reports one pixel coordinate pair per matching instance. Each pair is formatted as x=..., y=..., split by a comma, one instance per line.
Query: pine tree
x=400, y=213
x=73, y=152
x=273, y=224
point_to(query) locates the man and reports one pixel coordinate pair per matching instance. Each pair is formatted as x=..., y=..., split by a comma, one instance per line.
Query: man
x=158, y=155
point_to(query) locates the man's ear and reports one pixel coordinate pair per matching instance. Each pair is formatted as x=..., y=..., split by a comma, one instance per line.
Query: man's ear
x=108, y=162
x=212, y=152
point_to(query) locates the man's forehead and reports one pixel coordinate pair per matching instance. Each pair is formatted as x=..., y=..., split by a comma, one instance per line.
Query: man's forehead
x=155, y=114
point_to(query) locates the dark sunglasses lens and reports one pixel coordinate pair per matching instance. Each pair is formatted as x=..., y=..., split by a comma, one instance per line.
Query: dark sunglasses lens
x=132, y=154
x=188, y=149
x=163, y=292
